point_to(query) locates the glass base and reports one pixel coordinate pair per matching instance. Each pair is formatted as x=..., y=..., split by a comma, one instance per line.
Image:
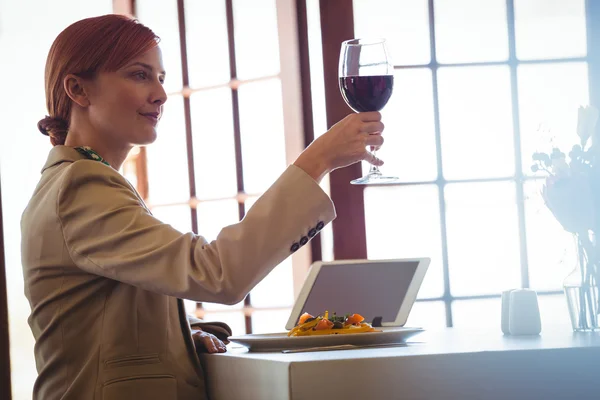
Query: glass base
x=582, y=302
x=375, y=178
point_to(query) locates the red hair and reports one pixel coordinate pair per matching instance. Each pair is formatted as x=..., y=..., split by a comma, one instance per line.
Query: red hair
x=89, y=46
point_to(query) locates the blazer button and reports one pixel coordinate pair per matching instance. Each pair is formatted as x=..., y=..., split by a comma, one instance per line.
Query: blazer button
x=294, y=247
x=320, y=225
x=303, y=241
x=312, y=233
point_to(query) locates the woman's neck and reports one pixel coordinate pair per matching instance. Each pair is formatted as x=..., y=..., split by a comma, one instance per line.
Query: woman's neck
x=112, y=153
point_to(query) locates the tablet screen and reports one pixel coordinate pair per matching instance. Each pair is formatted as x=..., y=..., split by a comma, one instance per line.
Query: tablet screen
x=371, y=290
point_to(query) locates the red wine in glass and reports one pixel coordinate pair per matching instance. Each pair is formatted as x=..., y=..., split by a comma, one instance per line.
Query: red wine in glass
x=366, y=78
x=367, y=93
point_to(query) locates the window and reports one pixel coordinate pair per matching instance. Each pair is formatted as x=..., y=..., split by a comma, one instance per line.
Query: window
x=226, y=135
x=474, y=82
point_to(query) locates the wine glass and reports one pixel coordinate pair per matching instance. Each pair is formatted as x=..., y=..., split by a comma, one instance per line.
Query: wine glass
x=366, y=81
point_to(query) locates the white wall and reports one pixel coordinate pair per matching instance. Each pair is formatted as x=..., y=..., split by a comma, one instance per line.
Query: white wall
x=27, y=29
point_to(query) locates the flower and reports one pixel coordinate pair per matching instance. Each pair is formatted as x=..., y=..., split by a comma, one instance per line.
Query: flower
x=571, y=191
x=586, y=123
x=569, y=198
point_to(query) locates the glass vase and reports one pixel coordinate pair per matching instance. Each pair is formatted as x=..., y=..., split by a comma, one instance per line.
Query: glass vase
x=581, y=292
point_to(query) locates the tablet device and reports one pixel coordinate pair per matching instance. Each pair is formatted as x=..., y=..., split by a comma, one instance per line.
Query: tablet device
x=382, y=291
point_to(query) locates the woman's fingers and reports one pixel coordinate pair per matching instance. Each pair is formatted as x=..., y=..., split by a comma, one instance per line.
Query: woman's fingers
x=374, y=140
x=209, y=343
x=214, y=345
x=371, y=159
x=220, y=332
x=217, y=344
x=369, y=116
x=220, y=346
x=372, y=127
x=343, y=144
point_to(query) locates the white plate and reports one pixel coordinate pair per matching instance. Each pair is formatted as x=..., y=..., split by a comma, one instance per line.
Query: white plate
x=280, y=341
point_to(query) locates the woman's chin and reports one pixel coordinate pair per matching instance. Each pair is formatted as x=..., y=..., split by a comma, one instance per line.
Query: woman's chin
x=146, y=138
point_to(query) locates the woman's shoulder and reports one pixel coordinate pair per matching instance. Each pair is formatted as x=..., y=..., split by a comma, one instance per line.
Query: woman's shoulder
x=86, y=174
x=88, y=188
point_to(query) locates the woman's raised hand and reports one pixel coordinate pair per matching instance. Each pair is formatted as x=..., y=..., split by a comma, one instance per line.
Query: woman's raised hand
x=344, y=144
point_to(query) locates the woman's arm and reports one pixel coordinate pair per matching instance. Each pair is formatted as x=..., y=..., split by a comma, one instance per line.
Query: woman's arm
x=109, y=232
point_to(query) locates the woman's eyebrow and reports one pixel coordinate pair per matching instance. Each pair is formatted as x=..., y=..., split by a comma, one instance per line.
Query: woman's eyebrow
x=147, y=66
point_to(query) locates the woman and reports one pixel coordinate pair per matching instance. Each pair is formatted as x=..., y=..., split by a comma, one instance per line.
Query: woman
x=104, y=278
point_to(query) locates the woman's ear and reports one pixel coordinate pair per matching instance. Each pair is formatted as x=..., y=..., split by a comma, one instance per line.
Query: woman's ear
x=75, y=88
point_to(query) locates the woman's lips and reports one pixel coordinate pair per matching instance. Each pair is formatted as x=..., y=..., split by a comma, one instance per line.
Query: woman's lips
x=152, y=117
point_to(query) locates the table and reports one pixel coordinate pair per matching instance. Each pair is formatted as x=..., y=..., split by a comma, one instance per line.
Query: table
x=444, y=364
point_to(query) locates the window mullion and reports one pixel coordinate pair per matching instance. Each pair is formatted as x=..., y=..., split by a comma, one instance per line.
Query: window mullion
x=512, y=61
x=237, y=131
x=349, y=233
x=441, y=183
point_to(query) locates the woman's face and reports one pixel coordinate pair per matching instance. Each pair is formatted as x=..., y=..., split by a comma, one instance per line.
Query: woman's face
x=126, y=105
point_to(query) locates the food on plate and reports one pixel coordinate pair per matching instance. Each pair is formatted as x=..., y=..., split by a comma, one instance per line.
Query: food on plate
x=309, y=325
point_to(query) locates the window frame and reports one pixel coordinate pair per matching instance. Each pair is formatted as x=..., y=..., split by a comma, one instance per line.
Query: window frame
x=349, y=229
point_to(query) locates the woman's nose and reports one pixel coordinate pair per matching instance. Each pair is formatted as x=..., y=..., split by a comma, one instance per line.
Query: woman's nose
x=159, y=96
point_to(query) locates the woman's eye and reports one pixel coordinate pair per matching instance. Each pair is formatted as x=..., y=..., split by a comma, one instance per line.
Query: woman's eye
x=140, y=75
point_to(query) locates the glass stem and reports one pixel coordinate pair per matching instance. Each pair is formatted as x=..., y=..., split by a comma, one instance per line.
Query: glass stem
x=374, y=169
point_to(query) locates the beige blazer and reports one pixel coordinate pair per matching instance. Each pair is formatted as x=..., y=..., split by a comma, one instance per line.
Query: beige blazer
x=104, y=278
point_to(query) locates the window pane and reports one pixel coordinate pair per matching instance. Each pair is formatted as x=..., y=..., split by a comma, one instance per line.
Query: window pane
x=207, y=44
x=405, y=24
x=550, y=28
x=221, y=307
x=249, y=202
x=190, y=307
x=277, y=289
x=235, y=320
x=216, y=215
x=168, y=179
x=214, y=148
x=478, y=314
x=470, y=30
x=404, y=222
x=213, y=216
x=551, y=250
x=263, y=139
x=483, y=238
x=256, y=38
x=270, y=321
x=179, y=217
x=550, y=95
x=326, y=237
x=476, y=122
x=409, y=151
x=162, y=18
x=317, y=82
x=427, y=315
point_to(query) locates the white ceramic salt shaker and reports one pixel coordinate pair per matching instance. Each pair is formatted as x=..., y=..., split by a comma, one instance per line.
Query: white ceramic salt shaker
x=505, y=311
x=524, y=313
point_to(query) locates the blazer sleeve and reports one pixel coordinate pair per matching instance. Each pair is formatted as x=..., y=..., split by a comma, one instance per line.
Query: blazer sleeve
x=108, y=231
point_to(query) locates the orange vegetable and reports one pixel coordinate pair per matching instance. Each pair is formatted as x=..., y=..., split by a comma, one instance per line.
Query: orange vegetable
x=354, y=319
x=304, y=317
x=324, y=324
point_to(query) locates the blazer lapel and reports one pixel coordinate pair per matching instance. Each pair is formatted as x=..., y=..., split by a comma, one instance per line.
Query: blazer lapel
x=187, y=336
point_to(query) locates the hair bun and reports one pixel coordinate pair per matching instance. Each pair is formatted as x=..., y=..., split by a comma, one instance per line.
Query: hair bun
x=54, y=127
